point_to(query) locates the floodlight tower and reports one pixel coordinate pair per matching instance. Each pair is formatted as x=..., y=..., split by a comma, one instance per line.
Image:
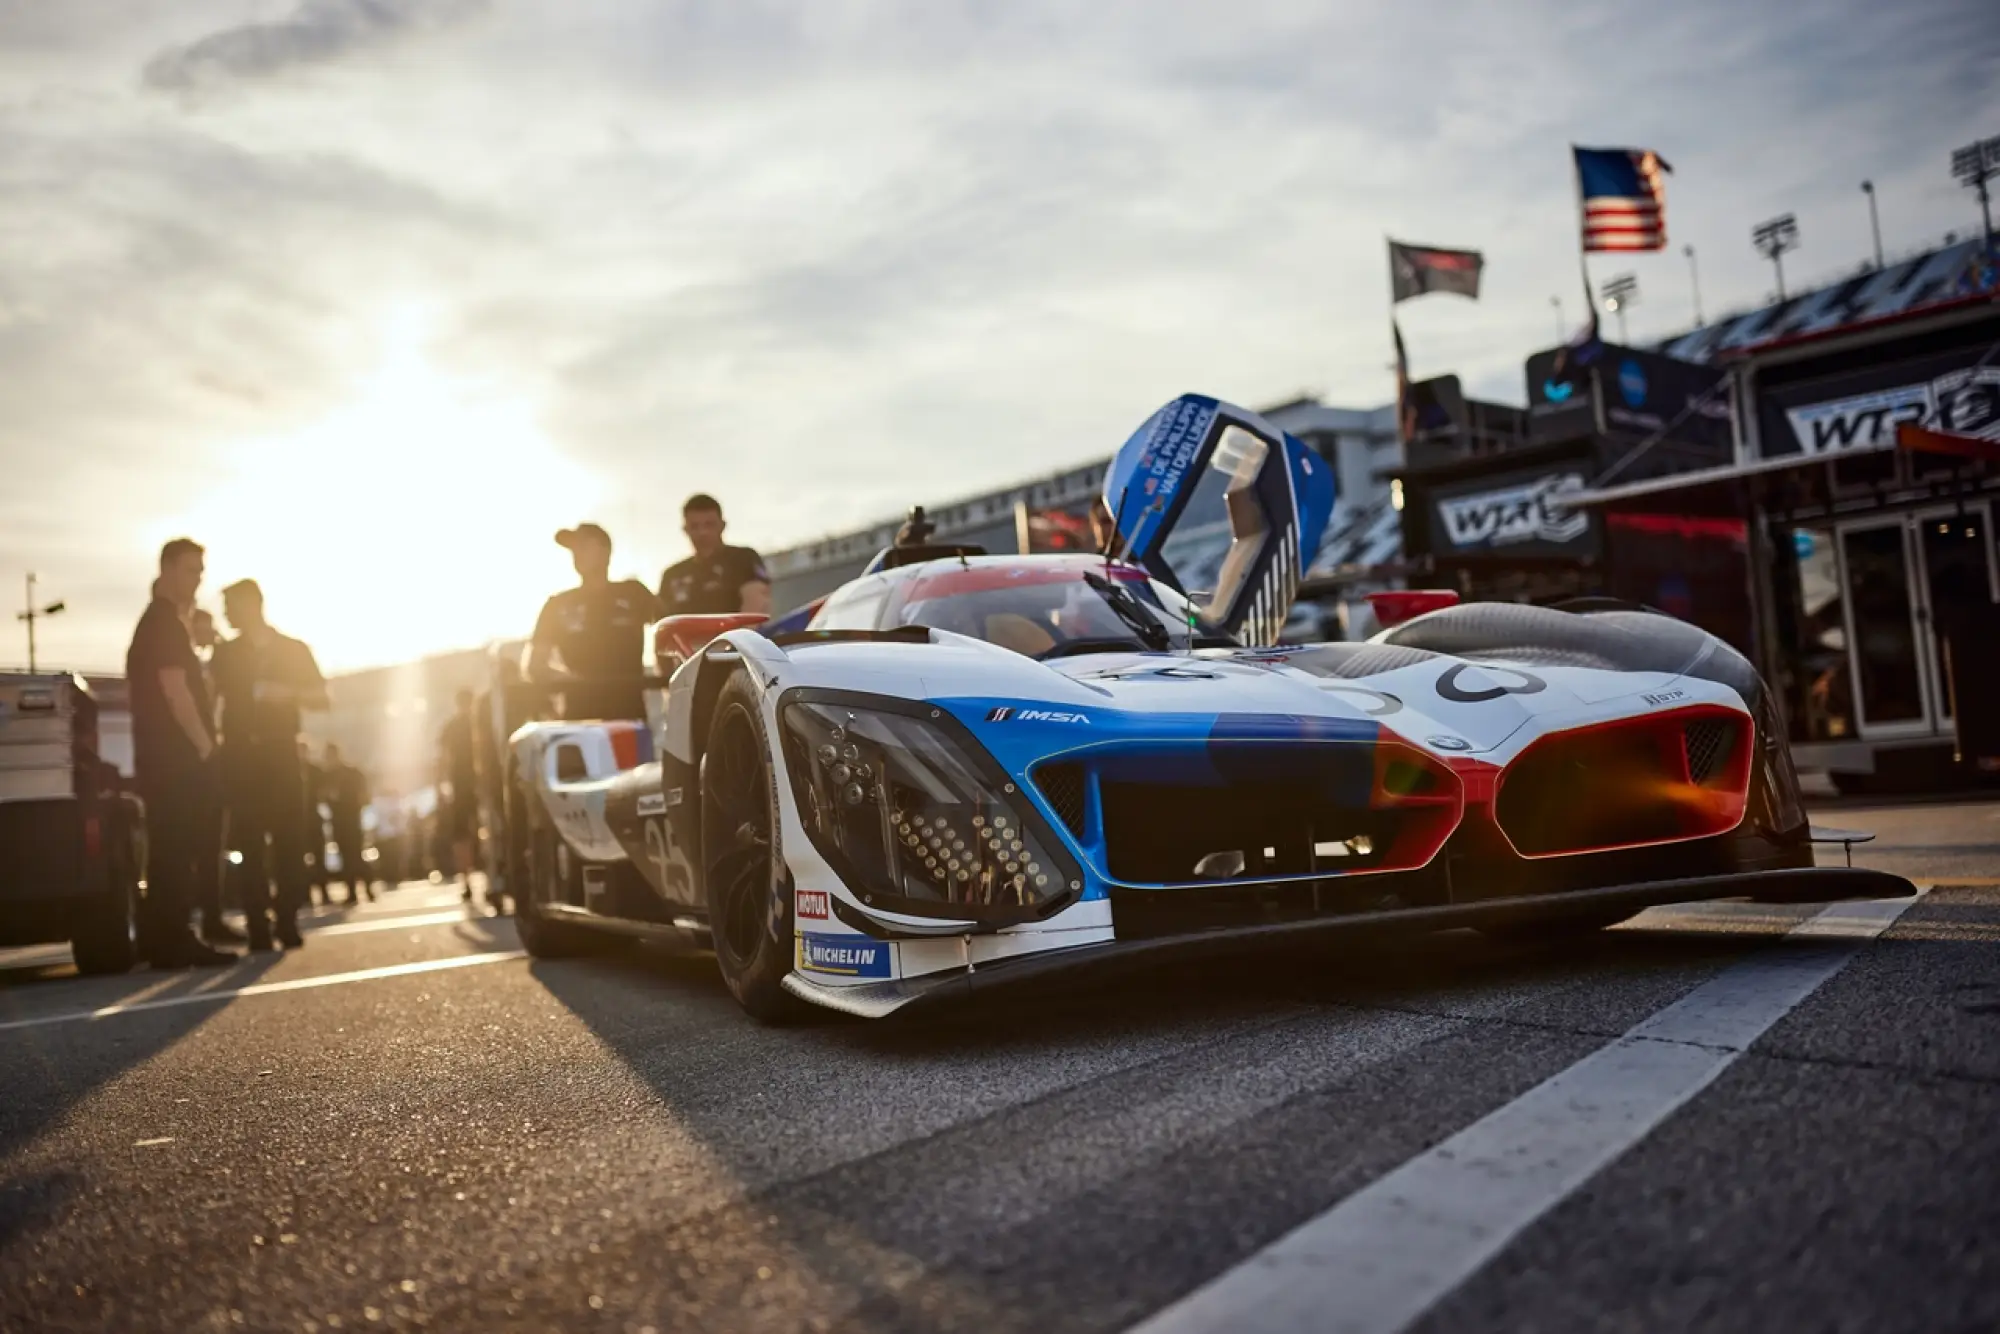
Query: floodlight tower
x=1620, y=292
x=1974, y=165
x=1773, y=239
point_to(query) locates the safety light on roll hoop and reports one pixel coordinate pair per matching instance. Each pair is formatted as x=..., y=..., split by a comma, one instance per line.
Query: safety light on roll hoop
x=913, y=820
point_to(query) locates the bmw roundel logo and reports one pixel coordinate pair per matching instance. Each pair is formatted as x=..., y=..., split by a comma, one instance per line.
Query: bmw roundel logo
x=1448, y=742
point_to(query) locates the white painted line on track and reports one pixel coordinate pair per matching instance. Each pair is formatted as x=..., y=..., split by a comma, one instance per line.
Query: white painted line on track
x=438, y=918
x=267, y=988
x=1381, y=1258
x=54, y=956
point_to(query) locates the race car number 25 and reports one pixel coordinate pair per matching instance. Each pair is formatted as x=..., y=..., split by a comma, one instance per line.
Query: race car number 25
x=845, y=956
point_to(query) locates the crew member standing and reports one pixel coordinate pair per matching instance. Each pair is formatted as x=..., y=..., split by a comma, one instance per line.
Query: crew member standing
x=312, y=781
x=264, y=679
x=458, y=771
x=173, y=747
x=346, y=792
x=201, y=633
x=718, y=578
x=591, y=639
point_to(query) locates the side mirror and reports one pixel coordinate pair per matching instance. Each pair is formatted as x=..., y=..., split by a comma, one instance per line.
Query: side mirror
x=570, y=767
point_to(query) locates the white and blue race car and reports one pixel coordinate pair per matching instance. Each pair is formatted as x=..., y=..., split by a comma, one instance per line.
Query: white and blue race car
x=964, y=770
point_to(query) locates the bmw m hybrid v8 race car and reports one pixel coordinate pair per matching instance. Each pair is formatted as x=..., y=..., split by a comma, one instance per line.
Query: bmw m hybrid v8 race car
x=967, y=769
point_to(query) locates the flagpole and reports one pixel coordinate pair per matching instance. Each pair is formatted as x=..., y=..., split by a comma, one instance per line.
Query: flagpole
x=1582, y=239
x=1396, y=343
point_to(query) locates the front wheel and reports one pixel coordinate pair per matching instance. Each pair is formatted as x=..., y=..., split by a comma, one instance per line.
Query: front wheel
x=749, y=906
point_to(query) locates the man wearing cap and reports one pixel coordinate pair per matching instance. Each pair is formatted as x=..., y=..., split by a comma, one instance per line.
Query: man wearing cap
x=264, y=678
x=718, y=578
x=591, y=639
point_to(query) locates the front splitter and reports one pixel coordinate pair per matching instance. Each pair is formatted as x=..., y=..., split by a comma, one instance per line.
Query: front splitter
x=874, y=1000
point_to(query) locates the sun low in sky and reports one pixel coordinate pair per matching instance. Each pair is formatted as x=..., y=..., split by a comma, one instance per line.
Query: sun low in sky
x=415, y=518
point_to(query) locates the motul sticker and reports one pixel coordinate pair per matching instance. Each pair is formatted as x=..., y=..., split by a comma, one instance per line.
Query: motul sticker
x=813, y=903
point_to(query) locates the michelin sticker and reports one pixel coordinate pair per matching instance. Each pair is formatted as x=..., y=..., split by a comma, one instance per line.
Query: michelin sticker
x=844, y=956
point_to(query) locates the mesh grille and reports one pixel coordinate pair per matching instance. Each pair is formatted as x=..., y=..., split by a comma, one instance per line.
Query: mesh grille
x=1708, y=742
x=1062, y=788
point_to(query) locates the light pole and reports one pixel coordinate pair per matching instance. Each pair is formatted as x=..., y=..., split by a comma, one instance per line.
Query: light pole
x=1694, y=281
x=33, y=614
x=1874, y=220
x=1562, y=327
x=1974, y=165
x=1619, y=293
x=1773, y=239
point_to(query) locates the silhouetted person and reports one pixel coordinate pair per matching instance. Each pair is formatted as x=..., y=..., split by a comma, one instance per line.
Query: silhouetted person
x=208, y=889
x=346, y=792
x=718, y=578
x=312, y=781
x=458, y=791
x=591, y=639
x=264, y=679
x=173, y=749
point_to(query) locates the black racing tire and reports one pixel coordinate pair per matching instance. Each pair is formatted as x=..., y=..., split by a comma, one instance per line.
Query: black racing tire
x=749, y=905
x=1569, y=930
x=104, y=938
x=541, y=936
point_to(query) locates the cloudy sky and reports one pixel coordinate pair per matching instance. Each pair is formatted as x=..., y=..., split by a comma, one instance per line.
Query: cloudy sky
x=371, y=295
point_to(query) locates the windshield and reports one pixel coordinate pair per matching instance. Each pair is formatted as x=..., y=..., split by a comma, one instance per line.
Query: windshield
x=1037, y=611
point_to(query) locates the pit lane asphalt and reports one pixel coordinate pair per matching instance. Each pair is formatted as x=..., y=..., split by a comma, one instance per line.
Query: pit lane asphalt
x=608, y=1144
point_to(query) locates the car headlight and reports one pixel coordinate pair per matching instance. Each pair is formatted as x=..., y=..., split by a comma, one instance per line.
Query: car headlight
x=915, y=816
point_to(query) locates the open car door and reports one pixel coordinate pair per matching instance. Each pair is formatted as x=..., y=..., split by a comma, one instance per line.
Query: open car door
x=1216, y=501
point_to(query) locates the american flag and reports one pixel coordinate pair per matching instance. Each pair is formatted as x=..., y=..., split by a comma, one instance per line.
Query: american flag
x=1624, y=194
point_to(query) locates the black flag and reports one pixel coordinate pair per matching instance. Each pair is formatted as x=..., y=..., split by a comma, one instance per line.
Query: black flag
x=1415, y=270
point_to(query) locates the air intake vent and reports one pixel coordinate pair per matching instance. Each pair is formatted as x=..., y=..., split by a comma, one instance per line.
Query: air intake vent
x=1062, y=787
x=1708, y=742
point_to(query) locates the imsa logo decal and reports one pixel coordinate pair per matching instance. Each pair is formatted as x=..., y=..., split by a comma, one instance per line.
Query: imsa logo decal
x=1005, y=714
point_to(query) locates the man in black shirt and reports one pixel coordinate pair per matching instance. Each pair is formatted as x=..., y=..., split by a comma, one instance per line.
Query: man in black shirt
x=458, y=772
x=717, y=578
x=173, y=744
x=312, y=781
x=264, y=679
x=208, y=903
x=591, y=639
x=346, y=791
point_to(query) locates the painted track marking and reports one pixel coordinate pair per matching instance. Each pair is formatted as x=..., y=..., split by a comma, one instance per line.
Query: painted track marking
x=1381, y=1258
x=54, y=956
x=267, y=988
